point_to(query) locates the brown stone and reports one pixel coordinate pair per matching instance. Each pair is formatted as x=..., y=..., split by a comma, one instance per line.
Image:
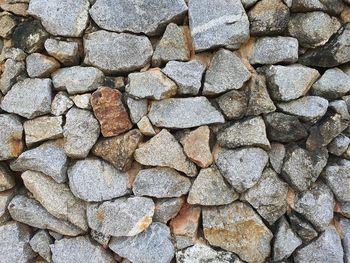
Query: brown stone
x=109, y=110
x=118, y=150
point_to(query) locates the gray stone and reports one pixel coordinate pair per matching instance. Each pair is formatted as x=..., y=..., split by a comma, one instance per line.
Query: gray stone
x=63, y=18
x=14, y=243
x=152, y=246
x=42, y=129
x=40, y=243
x=209, y=188
x=316, y=205
x=167, y=208
x=183, y=113
x=273, y=50
x=165, y=151
x=248, y=3
x=248, y=132
x=225, y=25
x=172, y=46
x=122, y=216
x=303, y=228
x=226, y=72
x=12, y=72
x=308, y=108
x=339, y=106
x=68, y=53
x=61, y=103
x=326, y=248
x=95, y=180
x=77, y=79
x=79, y=250
x=56, y=198
x=8, y=23
x=344, y=209
x=151, y=84
x=187, y=75
x=238, y=229
x=13, y=53
x=40, y=66
x=82, y=101
x=276, y=156
x=333, y=84
x=117, y=53
x=100, y=238
x=5, y=198
x=160, y=183
x=80, y=132
x=11, y=142
x=234, y=104
x=30, y=212
x=337, y=177
x=289, y=82
x=31, y=104
x=145, y=127
x=149, y=17
x=329, y=6
x=242, y=168
x=137, y=108
x=268, y=196
x=345, y=228
x=339, y=145
x=7, y=180
x=48, y=158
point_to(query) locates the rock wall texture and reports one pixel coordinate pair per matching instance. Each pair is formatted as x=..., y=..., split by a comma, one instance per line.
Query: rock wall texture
x=164, y=131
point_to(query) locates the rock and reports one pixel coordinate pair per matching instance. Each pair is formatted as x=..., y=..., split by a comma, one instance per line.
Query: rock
x=7, y=181
x=226, y=72
x=137, y=109
x=151, y=246
x=118, y=150
x=228, y=22
x=287, y=83
x=268, y=196
x=48, y=158
x=138, y=17
x=145, y=127
x=12, y=72
x=316, y=205
x=187, y=75
x=94, y=180
x=5, y=198
x=248, y=132
x=284, y=128
x=30, y=212
x=339, y=106
x=333, y=84
x=276, y=156
x=100, y=238
x=61, y=103
x=286, y=241
x=61, y=202
x=62, y=18
x=273, y=50
x=308, y=108
x=42, y=129
x=41, y=66
x=301, y=167
x=14, y=243
x=345, y=227
x=167, y=209
x=82, y=101
x=304, y=229
x=40, y=243
x=172, y=46
x=326, y=248
x=122, y=216
x=8, y=23
x=117, y=53
x=80, y=132
x=234, y=104
x=248, y=3
x=268, y=18
x=110, y=112
x=164, y=150
x=238, y=229
x=331, y=54
x=29, y=104
x=183, y=113
x=80, y=250
x=11, y=143
x=15, y=54
x=339, y=145
x=151, y=84
x=312, y=29
x=68, y=53
x=344, y=209
x=243, y=167
x=337, y=177
x=210, y=188
x=330, y=6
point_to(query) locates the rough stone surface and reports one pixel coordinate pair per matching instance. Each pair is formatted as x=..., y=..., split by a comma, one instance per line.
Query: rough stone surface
x=6, y=179
x=303, y=228
x=61, y=103
x=41, y=66
x=329, y=6
x=40, y=243
x=82, y=101
x=345, y=228
x=339, y=145
x=137, y=108
x=337, y=177
x=167, y=208
x=234, y=104
x=64, y=51
x=12, y=72
x=146, y=127
x=11, y=143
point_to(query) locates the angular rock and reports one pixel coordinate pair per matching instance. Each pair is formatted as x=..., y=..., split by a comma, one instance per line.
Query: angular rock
x=8, y=23
x=82, y=101
x=5, y=198
x=152, y=246
x=100, y=238
x=339, y=106
x=62, y=18
x=238, y=229
x=110, y=112
x=7, y=181
x=31, y=104
x=137, y=109
x=117, y=53
x=329, y=6
x=273, y=50
x=11, y=143
x=40, y=66
x=227, y=22
x=149, y=17
x=40, y=243
x=345, y=227
x=183, y=113
x=151, y=84
x=234, y=104
x=61, y=103
x=337, y=177
x=122, y=216
x=226, y=72
x=164, y=150
x=68, y=53
x=242, y=168
x=94, y=180
x=303, y=228
x=209, y=188
x=146, y=127
x=339, y=145
x=167, y=209
x=80, y=132
x=276, y=156
x=12, y=72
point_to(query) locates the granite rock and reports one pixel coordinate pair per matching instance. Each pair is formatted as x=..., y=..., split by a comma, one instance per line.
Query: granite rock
x=40, y=243
x=66, y=52
x=11, y=136
x=12, y=72
x=167, y=208
x=337, y=177
x=40, y=66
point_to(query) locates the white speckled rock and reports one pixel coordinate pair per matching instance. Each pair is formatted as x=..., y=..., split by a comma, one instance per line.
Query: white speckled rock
x=41, y=66
x=67, y=53
x=11, y=142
